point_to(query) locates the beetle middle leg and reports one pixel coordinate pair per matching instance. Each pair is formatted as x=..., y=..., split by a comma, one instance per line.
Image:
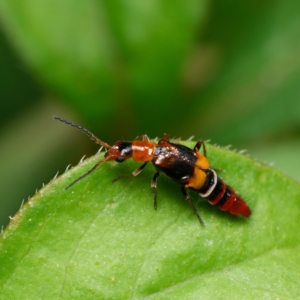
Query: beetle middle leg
x=188, y=199
x=165, y=137
x=134, y=173
x=153, y=186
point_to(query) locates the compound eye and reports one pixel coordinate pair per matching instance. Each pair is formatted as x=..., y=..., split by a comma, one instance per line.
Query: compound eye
x=120, y=159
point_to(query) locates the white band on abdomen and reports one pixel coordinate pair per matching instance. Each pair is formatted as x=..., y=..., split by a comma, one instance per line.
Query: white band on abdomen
x=209, y=191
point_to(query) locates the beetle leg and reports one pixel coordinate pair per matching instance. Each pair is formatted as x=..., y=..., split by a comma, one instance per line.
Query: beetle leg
x=165, y=137
x=143, y=137
x=134, y=173
x=188, y=199
x=153, y=186
x=198, y=147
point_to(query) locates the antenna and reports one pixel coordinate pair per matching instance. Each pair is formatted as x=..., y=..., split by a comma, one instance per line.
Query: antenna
x=87, y=132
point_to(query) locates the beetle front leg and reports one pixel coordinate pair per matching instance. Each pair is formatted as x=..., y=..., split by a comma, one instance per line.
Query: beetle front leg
x=143, y=137
x=134, y=173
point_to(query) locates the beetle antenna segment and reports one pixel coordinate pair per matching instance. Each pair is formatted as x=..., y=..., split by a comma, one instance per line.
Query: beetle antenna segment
x=88, y=172
x=87, y=132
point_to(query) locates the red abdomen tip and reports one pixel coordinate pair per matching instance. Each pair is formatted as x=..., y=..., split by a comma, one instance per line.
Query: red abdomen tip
x=239, y=207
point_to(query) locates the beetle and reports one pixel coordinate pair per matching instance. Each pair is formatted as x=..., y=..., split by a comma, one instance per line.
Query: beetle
x=186, y=166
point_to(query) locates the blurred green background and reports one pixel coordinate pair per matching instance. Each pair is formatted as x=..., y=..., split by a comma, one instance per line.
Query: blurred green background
x=228, y=71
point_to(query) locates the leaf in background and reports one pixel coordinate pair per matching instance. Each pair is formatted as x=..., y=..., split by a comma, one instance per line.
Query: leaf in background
x=33, y=149
x=283, y=154
x=255, y=89
x=108, y=59
x=125, y=60
x=100, y=240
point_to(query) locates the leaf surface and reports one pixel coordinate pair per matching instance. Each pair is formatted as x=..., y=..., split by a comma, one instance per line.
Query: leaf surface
x=103, y=240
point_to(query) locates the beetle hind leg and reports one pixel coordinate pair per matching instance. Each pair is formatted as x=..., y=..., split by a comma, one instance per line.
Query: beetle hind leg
x=198, y=146
x=188, y=199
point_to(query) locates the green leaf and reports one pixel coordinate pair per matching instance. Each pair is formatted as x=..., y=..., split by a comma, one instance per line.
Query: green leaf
x=103, y=240
x=254, y=75
x=103, y=57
